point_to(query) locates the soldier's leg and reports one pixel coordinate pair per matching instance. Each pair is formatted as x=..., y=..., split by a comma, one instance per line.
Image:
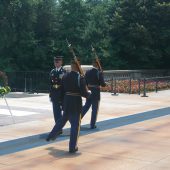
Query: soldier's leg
x=95, y=108
x=58, y=126
x=75, y=121
x=56, y=111
x=86, y=107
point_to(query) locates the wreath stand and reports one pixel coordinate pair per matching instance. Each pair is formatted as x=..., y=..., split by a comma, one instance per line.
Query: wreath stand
x=9, y=109
x=4, y=79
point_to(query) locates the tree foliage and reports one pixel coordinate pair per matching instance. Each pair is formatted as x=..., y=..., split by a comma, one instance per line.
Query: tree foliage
x=127, y=34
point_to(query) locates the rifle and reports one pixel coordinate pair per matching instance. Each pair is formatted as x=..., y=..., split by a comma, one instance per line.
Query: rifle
x=97, y=58
x=75, y=58
x=98, y=64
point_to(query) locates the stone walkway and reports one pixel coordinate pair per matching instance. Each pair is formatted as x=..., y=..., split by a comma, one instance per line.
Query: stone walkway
x=132, y=134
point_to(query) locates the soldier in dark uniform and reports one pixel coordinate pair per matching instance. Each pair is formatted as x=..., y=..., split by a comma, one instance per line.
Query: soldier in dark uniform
x=56, y=75
x=94, y=79
x=74, y=86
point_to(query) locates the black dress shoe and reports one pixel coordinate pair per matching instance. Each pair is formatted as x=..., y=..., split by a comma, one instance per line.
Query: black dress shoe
x=61, y=132
x=93, y=127
x=48, y=138
x=52, y=138
x=73, y=150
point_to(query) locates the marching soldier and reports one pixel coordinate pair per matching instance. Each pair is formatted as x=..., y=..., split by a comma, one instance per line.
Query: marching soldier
x=94, y=79
x=56, y=75
x=74, y=86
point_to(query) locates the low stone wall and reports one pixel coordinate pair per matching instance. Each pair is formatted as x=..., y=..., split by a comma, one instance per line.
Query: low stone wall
x=137, y=73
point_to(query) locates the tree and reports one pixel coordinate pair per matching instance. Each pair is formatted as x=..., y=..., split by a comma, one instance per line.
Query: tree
x=45, y=30
x=136, y=33
x=97, y=30
x=127, y=34
x=72, y=18
x=17, y=40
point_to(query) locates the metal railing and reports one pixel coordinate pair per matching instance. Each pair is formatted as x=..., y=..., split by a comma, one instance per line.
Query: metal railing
x=137, y=73
x=137, y=86
x=35, y=82
x=156, y=81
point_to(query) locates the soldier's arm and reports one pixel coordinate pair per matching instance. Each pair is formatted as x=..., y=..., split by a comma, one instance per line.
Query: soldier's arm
x=83, y=88
x=101, y=79
x=52, y=78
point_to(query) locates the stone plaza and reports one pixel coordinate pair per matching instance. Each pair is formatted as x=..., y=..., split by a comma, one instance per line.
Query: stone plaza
x=132, y=134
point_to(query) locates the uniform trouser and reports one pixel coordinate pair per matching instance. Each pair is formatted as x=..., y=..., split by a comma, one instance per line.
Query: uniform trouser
x=74, y=119
x=57, y=110
x=95, y=105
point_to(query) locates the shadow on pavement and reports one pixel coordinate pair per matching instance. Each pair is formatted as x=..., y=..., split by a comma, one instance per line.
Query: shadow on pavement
x=29, y=142
x=58, y=153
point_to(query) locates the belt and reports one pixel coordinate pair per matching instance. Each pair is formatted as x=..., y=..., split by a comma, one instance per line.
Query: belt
x=90, y=85
x=56, y=86
x=72, y=94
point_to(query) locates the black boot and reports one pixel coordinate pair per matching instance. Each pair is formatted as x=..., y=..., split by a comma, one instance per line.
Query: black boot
x=52, y=138
x=93, y=127
x=73, y=150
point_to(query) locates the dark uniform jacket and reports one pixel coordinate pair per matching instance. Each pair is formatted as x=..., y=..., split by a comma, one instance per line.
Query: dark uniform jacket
x=55, y=84
x=94, y=79
x=74, y=87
